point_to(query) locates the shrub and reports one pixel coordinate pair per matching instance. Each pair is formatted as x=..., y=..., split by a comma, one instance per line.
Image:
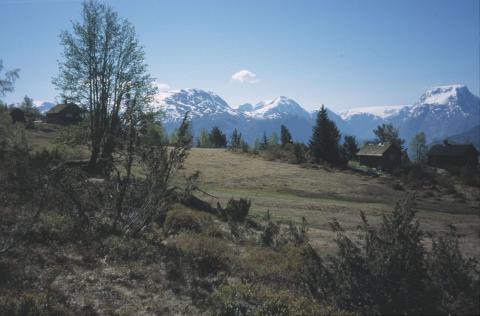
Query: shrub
x=185, y=219
x=255, y=299
x=455, y=277
x=38, y=304
x=236, y=210
x=207, y=255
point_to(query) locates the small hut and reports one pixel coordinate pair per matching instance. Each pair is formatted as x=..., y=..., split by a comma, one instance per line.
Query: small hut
x=382, y=156
x=448, y=155
x=17, y=115
x=64, y=114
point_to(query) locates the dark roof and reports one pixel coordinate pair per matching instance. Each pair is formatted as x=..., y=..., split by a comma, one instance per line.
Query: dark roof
x=451, y=149
x=60, y=107
x=371, y=149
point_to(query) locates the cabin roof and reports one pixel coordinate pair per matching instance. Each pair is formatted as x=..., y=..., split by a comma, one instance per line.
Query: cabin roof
x=451, y=150
x=60, y=107
x=374, y=149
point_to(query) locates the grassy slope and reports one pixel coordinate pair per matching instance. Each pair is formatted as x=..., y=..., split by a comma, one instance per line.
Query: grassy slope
x=291, y=192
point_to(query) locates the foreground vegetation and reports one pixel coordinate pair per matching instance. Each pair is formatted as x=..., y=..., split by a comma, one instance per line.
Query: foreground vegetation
x=62, y=252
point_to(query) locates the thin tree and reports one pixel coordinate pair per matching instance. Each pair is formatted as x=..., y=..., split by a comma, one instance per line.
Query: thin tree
x=273, y=140
x=264, y=142
x=103, y=62
x=285, y=136
x=325, y=138
x=236, y=139
x=418, y=148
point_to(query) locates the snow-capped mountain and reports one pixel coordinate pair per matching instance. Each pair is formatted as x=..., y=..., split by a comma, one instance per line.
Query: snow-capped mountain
x=277, y=108
x=43, y=106
x=440, y=112
x=199, y=103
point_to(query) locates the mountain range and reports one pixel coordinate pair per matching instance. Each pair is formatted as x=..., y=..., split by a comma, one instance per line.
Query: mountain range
x=441, y=112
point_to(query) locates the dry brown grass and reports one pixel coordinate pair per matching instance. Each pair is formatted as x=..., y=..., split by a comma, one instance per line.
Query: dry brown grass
x=292, y=191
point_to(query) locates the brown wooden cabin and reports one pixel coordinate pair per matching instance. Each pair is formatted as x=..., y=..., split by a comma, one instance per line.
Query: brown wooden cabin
x=17, y=115
x=448, y=155
x=382, y=156
x=64, y=114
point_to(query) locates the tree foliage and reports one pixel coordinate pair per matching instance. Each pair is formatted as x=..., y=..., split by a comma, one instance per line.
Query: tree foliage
x=285, y=136
x=350, y=147
x=387, y=133
x=325, y=138
x=7, y=82
x=103, y=67
x=217, y=138
x=418, y=148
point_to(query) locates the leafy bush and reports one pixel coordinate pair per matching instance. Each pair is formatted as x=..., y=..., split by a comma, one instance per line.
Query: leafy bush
x=390, y=272
x=236, y=210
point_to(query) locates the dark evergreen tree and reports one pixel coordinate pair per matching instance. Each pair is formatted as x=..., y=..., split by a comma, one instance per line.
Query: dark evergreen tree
x=264, y=143
x=217, y=138
x=236, y=139
x=350, y=147
x=325, y=138
x=285, y=136
x=387, y=133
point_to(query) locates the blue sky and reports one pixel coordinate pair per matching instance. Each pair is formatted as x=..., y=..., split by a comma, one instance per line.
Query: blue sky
x=342, y=54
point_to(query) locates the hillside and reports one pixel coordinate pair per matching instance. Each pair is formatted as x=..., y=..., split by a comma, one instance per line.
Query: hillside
x=291, y=192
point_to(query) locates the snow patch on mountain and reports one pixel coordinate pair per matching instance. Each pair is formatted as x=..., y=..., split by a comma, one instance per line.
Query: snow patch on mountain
x=197, y=102
x=276, y=108
x=378, y=111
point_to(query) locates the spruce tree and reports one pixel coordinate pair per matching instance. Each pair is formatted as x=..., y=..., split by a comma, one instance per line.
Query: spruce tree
x=264, y=143
x=285, y=136
x=325, y=138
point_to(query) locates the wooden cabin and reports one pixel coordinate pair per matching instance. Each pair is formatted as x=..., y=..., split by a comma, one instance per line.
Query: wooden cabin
x=64, y=114
x=448, y=155
x=382, y=156
x=17, y=115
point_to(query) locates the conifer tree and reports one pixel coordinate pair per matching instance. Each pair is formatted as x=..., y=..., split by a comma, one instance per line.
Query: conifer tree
x=264, y=143
x=217, y=138
x=285, y=136
x=325, y=138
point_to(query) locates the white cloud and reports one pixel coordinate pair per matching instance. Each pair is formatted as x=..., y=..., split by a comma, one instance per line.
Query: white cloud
x=244, y=76
x=162, y=87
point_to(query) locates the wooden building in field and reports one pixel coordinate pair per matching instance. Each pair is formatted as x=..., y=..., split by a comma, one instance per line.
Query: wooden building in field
x=448, y=155
x=17, y=115
x=382, y=156
x=64, y=114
